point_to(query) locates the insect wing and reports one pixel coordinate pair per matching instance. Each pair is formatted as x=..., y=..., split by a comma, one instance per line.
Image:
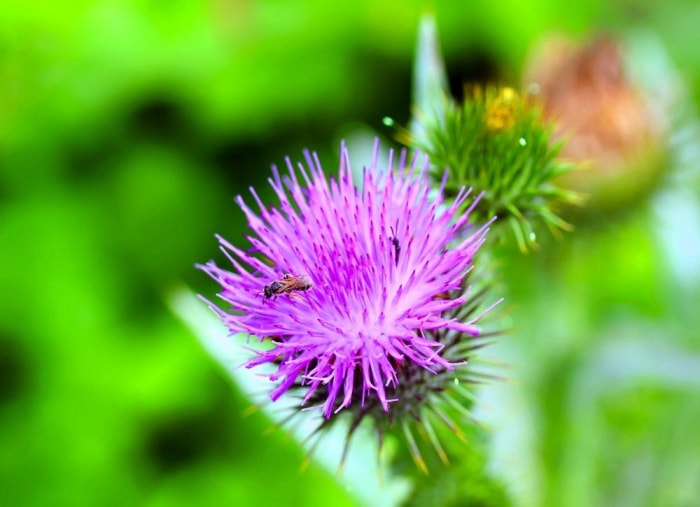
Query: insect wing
x=290, y=283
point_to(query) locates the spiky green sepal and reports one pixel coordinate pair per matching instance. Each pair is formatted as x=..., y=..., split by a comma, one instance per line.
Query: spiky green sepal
x=428, y=408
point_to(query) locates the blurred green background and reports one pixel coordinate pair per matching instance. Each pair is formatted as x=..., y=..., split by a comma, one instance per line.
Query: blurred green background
x=126, y=129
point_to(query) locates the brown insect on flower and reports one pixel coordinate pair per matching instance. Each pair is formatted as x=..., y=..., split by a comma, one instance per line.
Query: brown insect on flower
x=287, y=285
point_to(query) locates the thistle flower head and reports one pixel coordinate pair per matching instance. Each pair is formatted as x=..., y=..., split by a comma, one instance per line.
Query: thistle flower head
x=350, y=284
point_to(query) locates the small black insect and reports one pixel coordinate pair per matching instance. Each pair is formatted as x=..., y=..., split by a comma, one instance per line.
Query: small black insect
x=395, y=242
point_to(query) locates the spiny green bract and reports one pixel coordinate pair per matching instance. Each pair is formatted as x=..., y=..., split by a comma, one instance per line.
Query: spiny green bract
x=497, y=142
x=429, y=408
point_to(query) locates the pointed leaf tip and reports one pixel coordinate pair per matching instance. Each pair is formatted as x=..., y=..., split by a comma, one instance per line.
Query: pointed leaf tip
x=429, y=89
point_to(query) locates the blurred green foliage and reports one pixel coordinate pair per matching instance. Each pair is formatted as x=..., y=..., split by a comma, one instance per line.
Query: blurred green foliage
x=125, y=130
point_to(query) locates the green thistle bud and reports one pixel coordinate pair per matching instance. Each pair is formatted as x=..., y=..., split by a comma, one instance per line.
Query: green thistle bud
x=497, y=142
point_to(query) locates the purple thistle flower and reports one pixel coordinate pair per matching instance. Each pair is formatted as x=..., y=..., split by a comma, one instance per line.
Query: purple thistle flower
x=386, y=263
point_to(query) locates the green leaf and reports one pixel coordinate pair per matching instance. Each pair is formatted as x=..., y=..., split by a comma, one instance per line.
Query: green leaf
x=429, y=88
